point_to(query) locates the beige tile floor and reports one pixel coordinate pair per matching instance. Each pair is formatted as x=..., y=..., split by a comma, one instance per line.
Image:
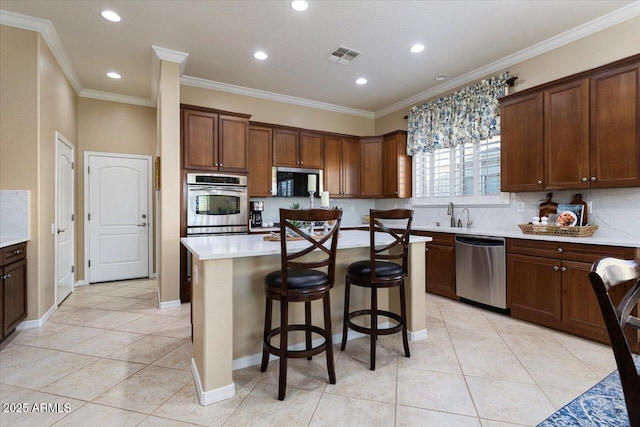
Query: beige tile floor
x=110, y=357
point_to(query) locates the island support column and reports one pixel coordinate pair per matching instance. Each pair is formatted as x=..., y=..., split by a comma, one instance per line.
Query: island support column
x=212, y=310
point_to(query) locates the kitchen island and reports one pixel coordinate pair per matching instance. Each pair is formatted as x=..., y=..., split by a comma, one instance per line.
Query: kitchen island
x=228, y=301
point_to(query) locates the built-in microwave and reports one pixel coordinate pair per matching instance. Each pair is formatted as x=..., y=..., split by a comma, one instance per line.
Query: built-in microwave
x=216, y=204
x=294, y=182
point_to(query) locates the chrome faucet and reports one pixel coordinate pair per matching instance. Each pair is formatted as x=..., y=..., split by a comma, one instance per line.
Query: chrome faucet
x=469, y=222
x=450, y=212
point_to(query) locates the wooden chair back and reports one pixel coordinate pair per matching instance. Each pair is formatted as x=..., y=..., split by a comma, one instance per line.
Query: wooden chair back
x=380, y=249
x=294, y=225
x=606, y=274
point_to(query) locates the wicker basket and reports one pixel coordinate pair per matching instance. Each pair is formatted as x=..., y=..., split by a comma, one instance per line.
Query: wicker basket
x=554, y=230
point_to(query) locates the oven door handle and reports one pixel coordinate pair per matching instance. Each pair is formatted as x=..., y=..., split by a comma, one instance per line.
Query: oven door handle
x=210, y=188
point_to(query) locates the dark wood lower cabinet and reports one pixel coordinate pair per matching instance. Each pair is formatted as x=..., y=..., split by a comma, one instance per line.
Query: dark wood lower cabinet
x=548, y=284
x=13, y=293
x=440, y=263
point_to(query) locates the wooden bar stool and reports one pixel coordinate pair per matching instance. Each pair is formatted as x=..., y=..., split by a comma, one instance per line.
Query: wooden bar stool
x=380, y=272
x=300, y=280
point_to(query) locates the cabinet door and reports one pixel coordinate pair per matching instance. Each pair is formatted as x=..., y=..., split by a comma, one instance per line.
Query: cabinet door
x=232, y=147
x=285, y=148
x=396, y=166
x=441, y=270
x=534, y=289
x=566, y=135
x=14, y=295
x=333, y=165
x=200, y=140
x=615, y=128
x=350, y=167
x=522, y=144
x=311, y=153
x=260, y=160
x=371, y=167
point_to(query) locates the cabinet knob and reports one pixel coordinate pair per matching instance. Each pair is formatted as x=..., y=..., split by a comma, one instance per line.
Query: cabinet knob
x=302, y=163
x=396, y=192
x=560, y=250
x=17, y=251
x=539, y=182
x=584, y=179
x=556, y=268
x=564, y=269
x=6, y=276
x=593, y=178
x=220, y=165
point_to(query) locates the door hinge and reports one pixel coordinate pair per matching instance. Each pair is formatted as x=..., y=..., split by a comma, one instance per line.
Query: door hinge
x=89, y=217
x=73, y=165
x=73, y=217
x=73, y=269
x=89, y=263
x=88, y=169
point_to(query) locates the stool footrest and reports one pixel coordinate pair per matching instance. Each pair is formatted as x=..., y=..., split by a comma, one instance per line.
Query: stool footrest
x=296, y=354
x=379, y=331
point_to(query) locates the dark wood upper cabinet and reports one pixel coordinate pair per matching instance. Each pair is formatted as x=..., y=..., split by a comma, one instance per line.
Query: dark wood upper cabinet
x=582, y=131
x=522, y=143
x=341, y=166
x=615, y=127
x=566, y=135
x=396, y=166
x=311, y=150
x=371, y=167
x=260, y=161
x=286, y=150
x=213, y=141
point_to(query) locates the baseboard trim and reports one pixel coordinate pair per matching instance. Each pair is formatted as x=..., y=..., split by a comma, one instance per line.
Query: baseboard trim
x=167, y=304
x=211, y=396
x=37, y=323
x=80, y=283
x=418, y=335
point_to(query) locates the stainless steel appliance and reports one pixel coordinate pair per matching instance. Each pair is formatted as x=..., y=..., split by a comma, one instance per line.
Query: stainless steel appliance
x=481, y=270
x=256, y=209
x=216, y=204
x=293, y=182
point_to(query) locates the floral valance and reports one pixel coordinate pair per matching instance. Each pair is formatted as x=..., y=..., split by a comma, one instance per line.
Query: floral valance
x=468, y=115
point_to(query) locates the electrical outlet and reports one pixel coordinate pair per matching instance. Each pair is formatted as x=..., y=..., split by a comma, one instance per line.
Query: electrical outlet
x=590, y=206
x=520, y=207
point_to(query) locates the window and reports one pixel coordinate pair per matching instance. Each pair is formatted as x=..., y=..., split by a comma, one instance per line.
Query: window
x=465, y=174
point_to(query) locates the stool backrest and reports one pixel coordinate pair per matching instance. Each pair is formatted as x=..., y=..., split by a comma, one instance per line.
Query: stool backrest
x=294, y=226
x=380, y=249
x=606, y=274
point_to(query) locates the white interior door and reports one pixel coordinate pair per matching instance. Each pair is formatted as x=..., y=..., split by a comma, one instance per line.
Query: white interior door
x=65, y=243
x=118, y=217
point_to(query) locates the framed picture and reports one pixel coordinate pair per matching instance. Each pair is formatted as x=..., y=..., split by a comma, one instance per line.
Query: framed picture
x=157, y=174
x=569, y=215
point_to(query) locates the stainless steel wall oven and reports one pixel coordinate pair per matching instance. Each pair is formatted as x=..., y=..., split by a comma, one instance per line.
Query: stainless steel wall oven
x=216, y=204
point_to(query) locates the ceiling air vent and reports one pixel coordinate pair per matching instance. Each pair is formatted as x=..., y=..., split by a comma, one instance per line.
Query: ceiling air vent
x=343, y=55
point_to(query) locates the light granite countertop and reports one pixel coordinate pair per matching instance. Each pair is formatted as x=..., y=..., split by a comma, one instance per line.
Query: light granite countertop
x=11, y=240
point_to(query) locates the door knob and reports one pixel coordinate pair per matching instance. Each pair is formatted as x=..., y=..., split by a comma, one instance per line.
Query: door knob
x=62, y=230
x=144, y=224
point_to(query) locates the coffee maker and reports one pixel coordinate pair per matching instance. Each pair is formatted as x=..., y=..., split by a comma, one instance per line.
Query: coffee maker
x=256, y=213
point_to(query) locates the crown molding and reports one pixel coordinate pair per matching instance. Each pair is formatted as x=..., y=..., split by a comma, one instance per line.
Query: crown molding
x=164, y=54
x=115, y=97
x=45, y=28
x=616, y=17
x=272, y=96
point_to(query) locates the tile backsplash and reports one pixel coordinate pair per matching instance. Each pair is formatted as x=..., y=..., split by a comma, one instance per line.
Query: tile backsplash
x=14, y=213
x=615, y=211
x=353, y=210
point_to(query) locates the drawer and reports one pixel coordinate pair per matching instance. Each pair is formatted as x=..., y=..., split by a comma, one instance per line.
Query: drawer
x=567, y=251
x=445, y=239
x=13, y=253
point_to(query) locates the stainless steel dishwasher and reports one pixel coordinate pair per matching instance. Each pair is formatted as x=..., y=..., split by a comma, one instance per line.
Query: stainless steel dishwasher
x=481, y=270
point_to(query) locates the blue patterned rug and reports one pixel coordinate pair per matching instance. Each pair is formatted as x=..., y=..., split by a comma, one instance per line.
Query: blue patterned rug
x=601, y=405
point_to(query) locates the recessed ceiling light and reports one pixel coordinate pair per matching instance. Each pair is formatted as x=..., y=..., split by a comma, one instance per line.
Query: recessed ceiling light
x=110, y=15
x=299, y=5
x=441, y=77
x=260, y=55
x=361, y=81
x=113, y=75
x=417, y=48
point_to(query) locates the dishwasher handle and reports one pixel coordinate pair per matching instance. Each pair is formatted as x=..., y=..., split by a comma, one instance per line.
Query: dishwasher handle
x=479, y=241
